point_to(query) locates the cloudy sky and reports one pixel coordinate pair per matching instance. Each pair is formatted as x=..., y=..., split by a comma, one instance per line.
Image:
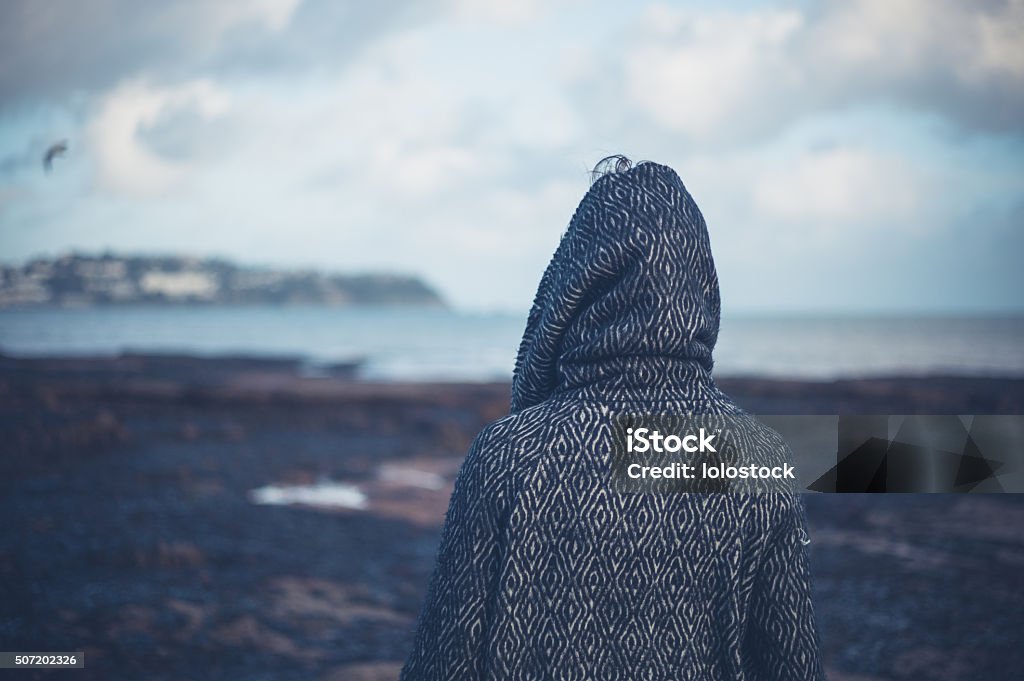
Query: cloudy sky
x=848, y=155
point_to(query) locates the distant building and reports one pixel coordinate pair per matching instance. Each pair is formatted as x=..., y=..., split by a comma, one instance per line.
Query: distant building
x=179, y=285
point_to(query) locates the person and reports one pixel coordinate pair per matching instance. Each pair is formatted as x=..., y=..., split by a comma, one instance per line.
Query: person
x=545, y=571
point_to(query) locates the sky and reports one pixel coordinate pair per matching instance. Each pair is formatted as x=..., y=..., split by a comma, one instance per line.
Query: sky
x=848, y=155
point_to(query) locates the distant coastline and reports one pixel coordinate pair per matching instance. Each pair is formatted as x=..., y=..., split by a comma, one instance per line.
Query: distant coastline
x=84, y=280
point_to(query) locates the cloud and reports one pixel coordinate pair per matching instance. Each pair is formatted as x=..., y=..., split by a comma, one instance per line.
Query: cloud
x=501, y=12
x=843, y=187
x=392, y=126
x=718, y=77
x=58, y=50
x=697, y=74
x=124, y=164
x=14, y=162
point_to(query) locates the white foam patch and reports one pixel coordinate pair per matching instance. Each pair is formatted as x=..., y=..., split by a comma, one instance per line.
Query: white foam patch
x=411, y=477
x=324, y=494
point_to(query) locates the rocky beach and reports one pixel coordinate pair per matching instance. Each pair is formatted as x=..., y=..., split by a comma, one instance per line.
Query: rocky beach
x=182, y=518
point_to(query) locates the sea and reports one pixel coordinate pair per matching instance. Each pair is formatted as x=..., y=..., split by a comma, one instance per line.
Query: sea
x=401, y=344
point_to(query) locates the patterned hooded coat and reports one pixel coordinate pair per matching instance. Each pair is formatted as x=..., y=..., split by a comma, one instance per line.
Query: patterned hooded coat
x=543, y=571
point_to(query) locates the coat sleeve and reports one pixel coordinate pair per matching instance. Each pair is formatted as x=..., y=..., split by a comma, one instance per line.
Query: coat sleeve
x=782, y=636
x=452, y=631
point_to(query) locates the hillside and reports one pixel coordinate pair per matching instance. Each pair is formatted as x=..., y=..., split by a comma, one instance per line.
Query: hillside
x=83, y=280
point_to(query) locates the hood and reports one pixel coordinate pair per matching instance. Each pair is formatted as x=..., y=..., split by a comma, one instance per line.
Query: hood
x=630, y=298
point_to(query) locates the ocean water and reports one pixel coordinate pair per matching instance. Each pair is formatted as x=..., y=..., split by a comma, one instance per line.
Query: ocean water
x=428, y=344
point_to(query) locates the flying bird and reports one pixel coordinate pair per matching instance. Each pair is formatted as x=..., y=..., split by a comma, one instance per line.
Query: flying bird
x=56, y=149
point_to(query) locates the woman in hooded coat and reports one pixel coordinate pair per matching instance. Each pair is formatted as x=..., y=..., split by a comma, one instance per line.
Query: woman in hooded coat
x=544, y=571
